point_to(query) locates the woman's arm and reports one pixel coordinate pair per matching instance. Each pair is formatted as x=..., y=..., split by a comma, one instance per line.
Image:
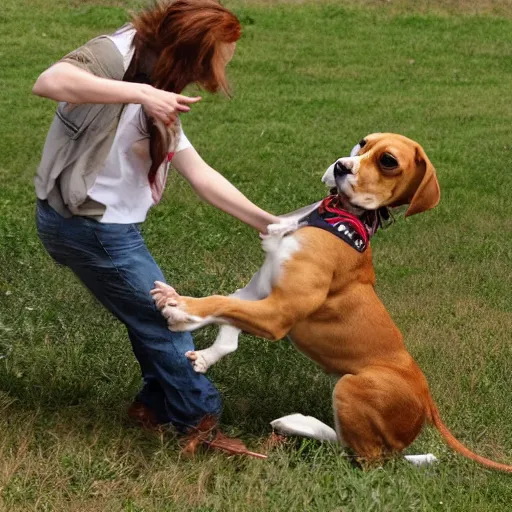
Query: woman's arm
x=66, y=82
x=211, y=186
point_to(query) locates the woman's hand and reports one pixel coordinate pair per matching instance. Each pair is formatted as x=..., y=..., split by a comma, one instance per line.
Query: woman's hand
x=165, y=106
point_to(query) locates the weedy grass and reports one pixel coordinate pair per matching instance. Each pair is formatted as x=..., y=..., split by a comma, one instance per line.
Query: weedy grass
x=310, y=79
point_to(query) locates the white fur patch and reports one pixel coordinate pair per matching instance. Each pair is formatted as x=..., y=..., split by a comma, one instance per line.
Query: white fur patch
x=279, y=250
x=363, y=200
x=175, y=315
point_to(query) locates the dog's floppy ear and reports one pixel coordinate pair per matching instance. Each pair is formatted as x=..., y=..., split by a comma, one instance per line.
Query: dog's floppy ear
x=427, y=194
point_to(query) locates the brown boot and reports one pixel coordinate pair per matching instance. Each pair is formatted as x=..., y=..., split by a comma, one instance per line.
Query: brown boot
x=208, y=434
x=198, y=435
x=143, y=416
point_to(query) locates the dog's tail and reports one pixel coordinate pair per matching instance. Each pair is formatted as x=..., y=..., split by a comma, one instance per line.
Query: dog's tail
x=459, y=447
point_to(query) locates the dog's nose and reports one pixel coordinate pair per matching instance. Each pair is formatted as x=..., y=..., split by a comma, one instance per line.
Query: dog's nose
x=341, y=169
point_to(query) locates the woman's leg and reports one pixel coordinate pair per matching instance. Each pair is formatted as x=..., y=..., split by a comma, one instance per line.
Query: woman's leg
x=113, y=261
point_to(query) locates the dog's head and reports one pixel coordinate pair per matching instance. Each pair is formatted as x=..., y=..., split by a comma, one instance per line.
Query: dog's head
x=385, y=169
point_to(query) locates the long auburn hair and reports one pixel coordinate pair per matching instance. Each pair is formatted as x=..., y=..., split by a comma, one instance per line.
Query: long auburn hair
x=177, y=43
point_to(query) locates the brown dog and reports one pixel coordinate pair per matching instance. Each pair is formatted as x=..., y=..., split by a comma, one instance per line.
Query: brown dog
x=317, y=287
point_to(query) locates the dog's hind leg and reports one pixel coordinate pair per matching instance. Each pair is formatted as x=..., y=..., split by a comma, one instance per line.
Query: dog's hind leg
x=225, y=343
x=372, y=419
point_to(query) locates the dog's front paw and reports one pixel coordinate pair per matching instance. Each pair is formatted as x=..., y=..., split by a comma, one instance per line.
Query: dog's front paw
x=164, y=295
x=175, y=315
x=172, y=307
x=178, y=320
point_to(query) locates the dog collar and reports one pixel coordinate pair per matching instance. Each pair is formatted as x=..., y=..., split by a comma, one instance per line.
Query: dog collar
x=353, y=230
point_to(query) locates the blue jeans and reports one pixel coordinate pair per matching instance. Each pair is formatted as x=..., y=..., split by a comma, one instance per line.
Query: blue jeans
x=114, y=263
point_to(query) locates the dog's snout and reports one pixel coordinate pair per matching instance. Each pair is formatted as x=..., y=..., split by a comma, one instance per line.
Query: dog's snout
x=341, y=169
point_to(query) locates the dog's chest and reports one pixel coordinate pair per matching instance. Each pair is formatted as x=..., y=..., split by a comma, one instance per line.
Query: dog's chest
x=278, y=251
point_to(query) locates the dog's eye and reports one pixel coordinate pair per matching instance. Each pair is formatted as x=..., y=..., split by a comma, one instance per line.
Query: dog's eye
x=388, y=162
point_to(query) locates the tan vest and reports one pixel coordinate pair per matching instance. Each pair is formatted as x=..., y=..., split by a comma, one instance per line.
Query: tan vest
x=80, y=137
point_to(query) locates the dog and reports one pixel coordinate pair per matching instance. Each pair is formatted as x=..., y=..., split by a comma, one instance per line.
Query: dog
x=317, y=286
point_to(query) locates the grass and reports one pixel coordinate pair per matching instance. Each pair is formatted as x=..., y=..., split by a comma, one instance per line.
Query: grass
x=310, y=79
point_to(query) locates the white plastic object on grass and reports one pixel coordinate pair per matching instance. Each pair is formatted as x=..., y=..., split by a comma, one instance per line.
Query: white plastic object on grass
x=307, y=426
x=420, y=460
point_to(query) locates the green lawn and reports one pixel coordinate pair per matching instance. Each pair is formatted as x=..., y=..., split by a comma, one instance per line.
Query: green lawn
x=310, y=80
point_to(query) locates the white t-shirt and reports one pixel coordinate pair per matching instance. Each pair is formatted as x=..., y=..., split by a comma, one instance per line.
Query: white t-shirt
x=123, y=185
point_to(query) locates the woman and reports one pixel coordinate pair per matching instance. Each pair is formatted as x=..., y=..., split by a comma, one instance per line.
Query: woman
x=104, y=165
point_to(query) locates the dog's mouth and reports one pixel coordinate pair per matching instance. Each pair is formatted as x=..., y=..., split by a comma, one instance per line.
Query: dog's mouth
x=345, y=201
x=374, y=219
